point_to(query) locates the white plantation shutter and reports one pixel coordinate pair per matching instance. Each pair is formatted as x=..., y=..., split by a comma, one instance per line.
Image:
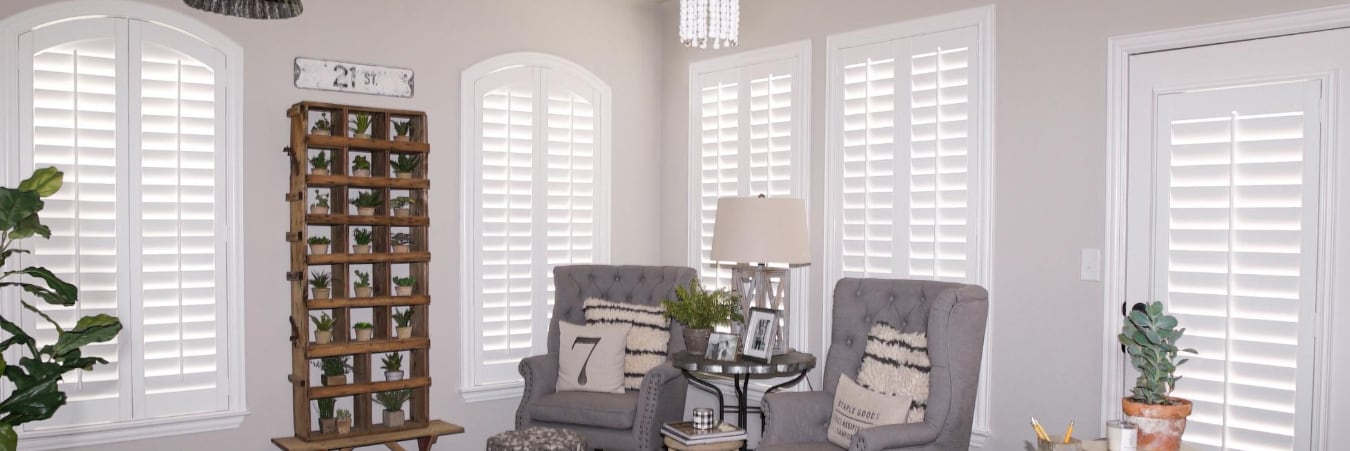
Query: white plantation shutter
x=537, y=199
x=1235, y=251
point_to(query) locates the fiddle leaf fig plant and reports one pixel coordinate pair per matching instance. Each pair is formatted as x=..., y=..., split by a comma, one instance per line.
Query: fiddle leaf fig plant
x=1150, y=338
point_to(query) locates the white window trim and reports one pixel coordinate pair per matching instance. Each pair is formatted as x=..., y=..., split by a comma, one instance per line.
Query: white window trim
x=470, y=129
x=233, y=416
x=982, y=18
x=1119, y=50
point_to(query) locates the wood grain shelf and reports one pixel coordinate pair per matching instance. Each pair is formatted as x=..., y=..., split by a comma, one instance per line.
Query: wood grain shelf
x=373, y=301
x=396, y=221
x=375, y=346
x=330, y=142
x=331, y=181
x=426, y=435
x=369, y=387
x=362, y=259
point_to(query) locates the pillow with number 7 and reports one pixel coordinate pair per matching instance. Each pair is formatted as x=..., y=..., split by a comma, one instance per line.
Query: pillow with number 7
x=590, y=358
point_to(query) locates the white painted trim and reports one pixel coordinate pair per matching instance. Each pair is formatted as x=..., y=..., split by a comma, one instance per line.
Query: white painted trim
x=512, y=390
x=1119, y=50
x=133, y=430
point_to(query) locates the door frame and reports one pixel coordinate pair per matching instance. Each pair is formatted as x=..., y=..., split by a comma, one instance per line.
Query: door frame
x=1119, y=51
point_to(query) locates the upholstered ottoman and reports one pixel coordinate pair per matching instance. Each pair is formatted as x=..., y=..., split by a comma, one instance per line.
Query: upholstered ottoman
x=537, y=439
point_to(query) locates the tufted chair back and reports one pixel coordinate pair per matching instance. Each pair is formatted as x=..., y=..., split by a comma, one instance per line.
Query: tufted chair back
x=645, y=285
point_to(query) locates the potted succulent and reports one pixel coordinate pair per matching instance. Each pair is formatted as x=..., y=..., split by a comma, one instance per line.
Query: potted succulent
x=364, y=331
x=322, y=126
x=361, y=166
x=320, y=205
x=403, y=286
x=405, y=165
x=334, y=370
x=319, y=164
x=344, y=421
x=323, y=328
x=362, y=285
x=700, y=310
x=402, y=243
x=392, y=363
x=327, y=424
x=403, y=322
x=320, y=281
x=1150, y=338
x=392, y=401
x=403, y=130
x=362, y=237
x=366, y=202
x=402, y=205
x=361, y=122
x=318, y=245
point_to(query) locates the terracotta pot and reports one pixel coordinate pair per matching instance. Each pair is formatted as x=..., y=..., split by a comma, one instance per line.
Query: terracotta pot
x=316, y=210
x=323, y=337
x=402, y=248
x=364, y=292
x=696, y=340
x=327, y=425
x=318, y=171
x=1160, y=426
x=403, y=332
x=360, y=248
x=401, y=138
x=330, y=381
x=318, y=249
x=322, y=293
x=344, y=426
x=393, y=375
x=315, y=131
x=403, y=175
x=361, y=173
x=364, y=334
x=402, y=212
x=365, y=211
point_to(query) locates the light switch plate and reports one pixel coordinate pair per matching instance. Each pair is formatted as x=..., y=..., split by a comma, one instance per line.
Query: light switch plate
x=1091, y=269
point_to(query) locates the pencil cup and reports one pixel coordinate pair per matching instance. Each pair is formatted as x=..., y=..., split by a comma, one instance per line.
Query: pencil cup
x=703, y=418
x=1056, y=443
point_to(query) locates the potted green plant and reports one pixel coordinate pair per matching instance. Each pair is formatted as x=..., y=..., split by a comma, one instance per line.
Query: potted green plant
x=322, y=126
x=699, y=310
x=403, y=130
x=318, y=245
x=366, y=202
x=364, y=331
x=361, y=122
x=344, y=421
x=362, y=237
x=323, y=328
x=362, y=285
x=320, y=281
x=361, y=166
x=334, y=370
x=1150, y=338
x=403, y=286
x=320, y=205
x=327, y=423
x=402, y=243
x=404, y=165
x=392, y=363
x=392, y=401
x=319, y=164
x=402, y=206
x=403, y=321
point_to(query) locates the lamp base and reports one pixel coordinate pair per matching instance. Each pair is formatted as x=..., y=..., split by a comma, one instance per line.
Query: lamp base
x=765, y=287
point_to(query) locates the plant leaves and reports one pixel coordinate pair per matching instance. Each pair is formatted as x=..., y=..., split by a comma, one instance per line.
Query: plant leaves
x=66, y=293
x=90, y=329
x=28, y=227
x=44, y=182
x=16, y=205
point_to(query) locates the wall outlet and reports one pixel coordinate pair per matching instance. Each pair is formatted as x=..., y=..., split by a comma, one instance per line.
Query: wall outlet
x=1091, y=269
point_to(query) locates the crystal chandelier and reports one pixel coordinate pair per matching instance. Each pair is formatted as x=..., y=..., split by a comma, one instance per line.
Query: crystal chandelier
x=715, y=22
x=250, y=9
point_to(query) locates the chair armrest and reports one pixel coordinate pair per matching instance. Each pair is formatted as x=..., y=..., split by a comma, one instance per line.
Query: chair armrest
x=660, y=399
x=891, y=436
x=541, y=378
x=796, y=416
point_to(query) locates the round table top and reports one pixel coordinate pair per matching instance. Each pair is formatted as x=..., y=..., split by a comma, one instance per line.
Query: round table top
x=791, y=363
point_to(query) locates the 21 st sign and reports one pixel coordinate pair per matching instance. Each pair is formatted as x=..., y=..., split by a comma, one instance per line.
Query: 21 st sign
x=352, y=77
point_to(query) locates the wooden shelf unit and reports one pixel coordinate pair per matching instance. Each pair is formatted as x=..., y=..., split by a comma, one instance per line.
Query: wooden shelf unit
x=344, y=306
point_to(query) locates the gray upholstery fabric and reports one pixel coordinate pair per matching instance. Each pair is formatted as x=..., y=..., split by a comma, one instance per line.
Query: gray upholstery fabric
x=953, y=315
x=606, y=410
x=662, y=395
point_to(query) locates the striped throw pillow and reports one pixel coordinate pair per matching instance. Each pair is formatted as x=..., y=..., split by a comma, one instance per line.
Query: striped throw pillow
x=897, y=364
x=647, y=340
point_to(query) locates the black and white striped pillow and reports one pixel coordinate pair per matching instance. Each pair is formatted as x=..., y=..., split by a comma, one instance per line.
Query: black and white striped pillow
x=897, y=363
x=645, y=346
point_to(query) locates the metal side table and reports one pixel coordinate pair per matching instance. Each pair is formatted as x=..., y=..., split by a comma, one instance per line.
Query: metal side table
x=794, y=363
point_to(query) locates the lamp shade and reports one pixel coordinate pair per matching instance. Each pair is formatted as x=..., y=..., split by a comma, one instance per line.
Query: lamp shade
x=761, y=230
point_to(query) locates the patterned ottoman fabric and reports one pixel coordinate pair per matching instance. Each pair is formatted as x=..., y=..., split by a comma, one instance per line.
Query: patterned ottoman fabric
x=537, y=439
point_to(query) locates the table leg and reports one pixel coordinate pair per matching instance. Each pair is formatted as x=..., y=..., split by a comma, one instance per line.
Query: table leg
x=742, y=384
x=710, y=388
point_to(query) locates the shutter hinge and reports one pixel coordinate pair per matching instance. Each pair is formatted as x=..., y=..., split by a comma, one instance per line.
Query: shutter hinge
x=295, y=276
x=292, y=236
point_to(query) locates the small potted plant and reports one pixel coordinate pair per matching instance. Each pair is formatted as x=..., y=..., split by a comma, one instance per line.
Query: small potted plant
x=362, y=237
x=403, y=320
x=320, y=205
x=403, y=129
x=344, y=421
x=361, y=122
x=403, y=286
x=323, y=328
x=366, y=202
x=402, y=243
x=362, y=285
x=322, y=126
x=700, y=310
x=392, y=363
x=364, y=331
x=334, y=370
x=327, y=423
x=319, y=164
x=405, y=165
x=320, y=281
x=361, y=166
x=392, y=401
x=402, y=206
x=1150, y=338
x=318, y=245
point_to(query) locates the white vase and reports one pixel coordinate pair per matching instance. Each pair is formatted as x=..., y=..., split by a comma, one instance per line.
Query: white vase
x=364, y=334
x=393, y=375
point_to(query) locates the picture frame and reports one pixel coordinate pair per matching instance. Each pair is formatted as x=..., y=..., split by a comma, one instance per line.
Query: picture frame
x=723, y=346
x=760, y=329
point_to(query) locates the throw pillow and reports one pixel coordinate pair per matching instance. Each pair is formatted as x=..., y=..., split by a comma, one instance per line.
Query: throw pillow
x=647, y=341
x=857, y=408
x=590, y=358
x=897, y=364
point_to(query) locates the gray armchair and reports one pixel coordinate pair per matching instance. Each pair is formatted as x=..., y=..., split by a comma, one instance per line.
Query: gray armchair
x=628, y=421
x=953, y=316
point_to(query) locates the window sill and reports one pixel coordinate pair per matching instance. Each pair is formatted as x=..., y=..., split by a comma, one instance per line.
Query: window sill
x=493, y=392
x=125, y=431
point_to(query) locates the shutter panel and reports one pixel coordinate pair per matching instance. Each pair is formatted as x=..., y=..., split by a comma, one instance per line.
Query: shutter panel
x=569, y=151
x=1235, y=254
x=869, y=156
x=939, y=129
x=720, y=173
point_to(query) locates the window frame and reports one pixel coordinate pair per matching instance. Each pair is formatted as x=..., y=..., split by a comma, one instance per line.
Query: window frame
x=232, y=76
x=470, y=192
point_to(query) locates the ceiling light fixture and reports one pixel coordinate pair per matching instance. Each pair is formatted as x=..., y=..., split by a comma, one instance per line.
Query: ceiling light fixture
x=250, y=9
x=715, y=22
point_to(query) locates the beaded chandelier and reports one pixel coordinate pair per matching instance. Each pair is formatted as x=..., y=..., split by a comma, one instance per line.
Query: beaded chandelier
x=705, y=22
x=250, y=9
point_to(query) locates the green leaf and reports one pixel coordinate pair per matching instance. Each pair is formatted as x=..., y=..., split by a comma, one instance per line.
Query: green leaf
x=90, y=329
x=28, y=227
x=31, y=402
x=16, y=205
x=16, y=336
x=1167, y=322
x=65, y=292
x=1155, y=309
x=9, y=440
x=45, y=182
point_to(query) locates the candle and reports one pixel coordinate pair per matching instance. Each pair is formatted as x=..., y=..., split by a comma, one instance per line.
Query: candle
x=1121, y=435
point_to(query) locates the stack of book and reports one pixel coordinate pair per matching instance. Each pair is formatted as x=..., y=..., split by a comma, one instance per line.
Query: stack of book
x=685, y=433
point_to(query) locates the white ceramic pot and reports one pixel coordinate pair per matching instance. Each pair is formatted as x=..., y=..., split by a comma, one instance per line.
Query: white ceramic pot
x=360, y=248
x=403, y=332
x=365, y=211
x=364, y=292
x=364, y=334
x=393, y=375
x=323, y=337
x=361, y=173
x=403, y=291
x=318, y=249
x=322, y=293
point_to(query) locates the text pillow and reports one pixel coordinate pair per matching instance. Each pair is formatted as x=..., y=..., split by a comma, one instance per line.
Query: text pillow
x=590, y=358
x=645, y=347
x=857, y=408
x=897, y=364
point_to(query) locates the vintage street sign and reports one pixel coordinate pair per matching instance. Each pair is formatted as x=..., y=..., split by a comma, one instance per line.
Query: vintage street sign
x=352, y=77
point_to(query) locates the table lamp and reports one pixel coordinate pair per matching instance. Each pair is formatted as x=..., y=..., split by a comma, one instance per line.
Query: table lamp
x=753, y=233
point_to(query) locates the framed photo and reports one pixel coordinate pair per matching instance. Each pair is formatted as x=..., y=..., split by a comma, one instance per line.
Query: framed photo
x=759, y=333
x=723, y=346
